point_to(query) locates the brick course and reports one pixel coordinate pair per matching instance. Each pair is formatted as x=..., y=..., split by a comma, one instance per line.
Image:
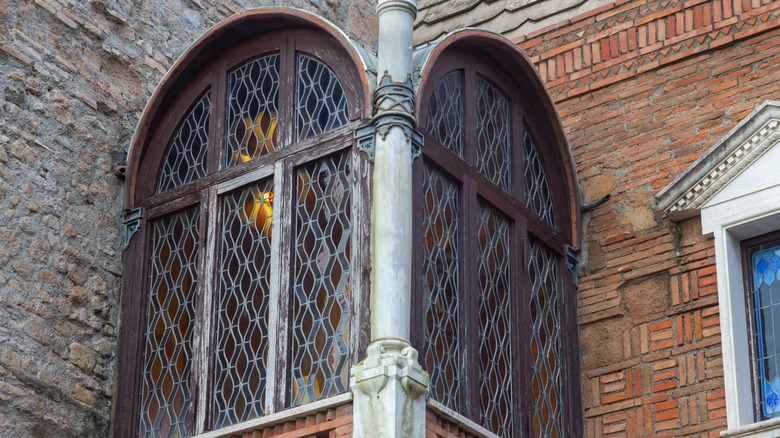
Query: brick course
x=656, y=85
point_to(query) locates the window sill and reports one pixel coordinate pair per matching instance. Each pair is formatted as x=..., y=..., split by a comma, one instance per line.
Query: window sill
x=763, y=429
x=284, y=416
x=466, y=424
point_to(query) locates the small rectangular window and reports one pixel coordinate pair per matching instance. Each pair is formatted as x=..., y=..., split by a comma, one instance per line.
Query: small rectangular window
x=764, y=301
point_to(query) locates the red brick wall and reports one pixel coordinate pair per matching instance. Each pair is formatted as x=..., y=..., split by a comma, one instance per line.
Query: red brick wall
x=438, y=426
x=644, y=88
x=330, y=423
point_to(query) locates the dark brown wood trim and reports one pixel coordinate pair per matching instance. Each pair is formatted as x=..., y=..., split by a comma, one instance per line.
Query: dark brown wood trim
x=525, y=115
x=159, y=124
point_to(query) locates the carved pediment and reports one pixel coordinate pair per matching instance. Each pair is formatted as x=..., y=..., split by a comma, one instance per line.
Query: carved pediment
x=723, y=164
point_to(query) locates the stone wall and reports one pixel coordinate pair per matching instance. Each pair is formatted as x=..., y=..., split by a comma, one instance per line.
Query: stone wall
x=644, y=88
x=74, y=79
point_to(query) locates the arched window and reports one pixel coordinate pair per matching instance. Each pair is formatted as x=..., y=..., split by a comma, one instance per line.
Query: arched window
x=242, y=285
x=494, y=293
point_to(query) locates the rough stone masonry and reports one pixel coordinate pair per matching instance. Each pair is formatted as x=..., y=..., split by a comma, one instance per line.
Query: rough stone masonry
x=74, y=79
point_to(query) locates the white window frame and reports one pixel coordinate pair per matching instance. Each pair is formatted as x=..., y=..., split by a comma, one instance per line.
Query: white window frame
x=735, y=205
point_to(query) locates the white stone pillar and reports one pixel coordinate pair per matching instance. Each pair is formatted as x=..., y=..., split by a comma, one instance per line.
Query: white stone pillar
x=389, y=385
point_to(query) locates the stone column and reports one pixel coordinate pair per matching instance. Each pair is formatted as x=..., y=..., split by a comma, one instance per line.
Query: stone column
x=389, y=385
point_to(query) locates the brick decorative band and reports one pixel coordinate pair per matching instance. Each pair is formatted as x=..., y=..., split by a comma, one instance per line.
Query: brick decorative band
x=625, y=38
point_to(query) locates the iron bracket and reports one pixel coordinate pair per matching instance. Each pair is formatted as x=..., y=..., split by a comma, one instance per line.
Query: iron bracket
x=572, y=260
x=131, y=222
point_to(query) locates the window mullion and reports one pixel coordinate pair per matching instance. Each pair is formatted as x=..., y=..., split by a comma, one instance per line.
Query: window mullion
x=470, y=299
x=217, y=121
x=361, y=254
x=522, y=326
x=202, y=363
x=276, y=377
x=287, y=84
x=469, y=115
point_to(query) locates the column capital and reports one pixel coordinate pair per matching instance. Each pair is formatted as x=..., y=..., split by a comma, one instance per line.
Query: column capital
x=389, y=388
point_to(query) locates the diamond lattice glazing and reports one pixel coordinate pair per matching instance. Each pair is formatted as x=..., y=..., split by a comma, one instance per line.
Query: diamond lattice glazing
x=545, y=342
x=185, y=157
x=165, y=392
x=493, y=156
x=321, y=301
x=537, y=190
x=495, y=327
x=445, y=112
x=241, y=344
x=322, y=104
x=441, y=353
x=253, y=96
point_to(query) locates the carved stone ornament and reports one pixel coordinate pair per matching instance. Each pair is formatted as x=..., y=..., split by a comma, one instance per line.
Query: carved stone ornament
x=364, y=137
x=748, y=141
x=394, y=106
x=131, y=222
x=389, y=360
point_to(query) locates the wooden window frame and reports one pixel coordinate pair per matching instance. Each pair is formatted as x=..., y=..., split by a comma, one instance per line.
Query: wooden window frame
x=280, y=165
x=475, y=188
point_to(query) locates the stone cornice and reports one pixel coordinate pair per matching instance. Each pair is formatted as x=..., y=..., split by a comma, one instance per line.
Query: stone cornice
x=684, y=196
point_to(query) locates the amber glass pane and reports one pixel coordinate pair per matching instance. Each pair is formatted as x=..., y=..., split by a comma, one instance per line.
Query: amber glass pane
x=493, y=157
x=537, y=190
x=445, y=112
x=322, y=104
x=441, y=352
x=165, y=392
x=321, y=295
x=495, y=327
x=242, y=320
x=185, y=157
x=253, y=96
x=545, y=342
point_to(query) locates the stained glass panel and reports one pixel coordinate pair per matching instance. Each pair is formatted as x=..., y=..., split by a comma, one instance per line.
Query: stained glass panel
x=185, y=156
x=441, y=352
x=545, y=341
x=537, y=190
x=765, y=263
x=253, y=99
x=445, y=112
x=241, y=344
x=495, y=326
x=166, y=393
x=322, y=104
x=321, y=293
x=493, y=135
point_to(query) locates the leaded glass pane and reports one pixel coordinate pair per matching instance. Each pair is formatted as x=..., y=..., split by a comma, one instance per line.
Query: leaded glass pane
x=322, y=104
x=253, y=99
x=495, y=326
x=765, y=263
x=321, y=295
x=537, y=190
x=241, y=345
x=441, y=353
x=185, y=156
x=445, y=112
x=547, y=420
x=493, y=157
x=165, y=392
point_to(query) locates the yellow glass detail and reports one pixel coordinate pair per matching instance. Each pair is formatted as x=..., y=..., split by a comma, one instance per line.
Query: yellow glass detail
x=256, y=137
x=259, y=211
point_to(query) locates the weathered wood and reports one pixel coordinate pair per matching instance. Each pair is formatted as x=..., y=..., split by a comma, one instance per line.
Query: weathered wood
x=343, y=134
x=476, y=189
